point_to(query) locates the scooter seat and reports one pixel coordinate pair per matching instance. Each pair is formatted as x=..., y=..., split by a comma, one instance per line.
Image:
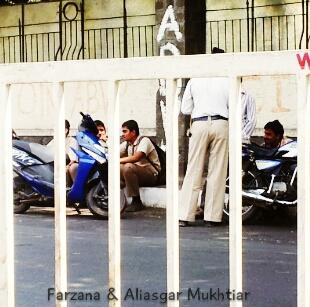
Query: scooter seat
x=261, y=152
x=42, y=152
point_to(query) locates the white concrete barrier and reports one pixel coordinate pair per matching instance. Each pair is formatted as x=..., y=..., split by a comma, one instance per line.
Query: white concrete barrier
x=171, y=68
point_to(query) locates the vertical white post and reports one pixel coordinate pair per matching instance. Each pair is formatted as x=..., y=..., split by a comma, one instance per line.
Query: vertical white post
x=114, y=196
x=235, y=186
x=303, y=183
x=60, y=195
x=7, y=295
x=172, y=196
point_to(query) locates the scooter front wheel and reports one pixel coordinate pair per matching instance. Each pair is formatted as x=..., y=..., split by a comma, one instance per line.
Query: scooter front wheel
x=97, y=200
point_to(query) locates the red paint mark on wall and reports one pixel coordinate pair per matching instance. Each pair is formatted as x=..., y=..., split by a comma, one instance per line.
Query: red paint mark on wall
x=303, y=60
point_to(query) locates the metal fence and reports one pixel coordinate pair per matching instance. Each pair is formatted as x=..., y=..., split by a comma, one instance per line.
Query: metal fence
x=269, y=33
x=106, y=43
x=74, y=43
x=170, y=68
x=73, y=39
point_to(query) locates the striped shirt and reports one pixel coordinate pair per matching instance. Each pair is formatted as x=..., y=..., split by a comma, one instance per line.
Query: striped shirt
x=248, y=115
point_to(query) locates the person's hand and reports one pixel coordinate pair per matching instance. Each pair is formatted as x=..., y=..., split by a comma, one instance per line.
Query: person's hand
x=105, y=138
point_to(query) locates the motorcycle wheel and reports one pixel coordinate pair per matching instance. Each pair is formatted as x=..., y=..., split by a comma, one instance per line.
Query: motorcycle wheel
x=250, y=213
x=97, y=200
x=20, y=188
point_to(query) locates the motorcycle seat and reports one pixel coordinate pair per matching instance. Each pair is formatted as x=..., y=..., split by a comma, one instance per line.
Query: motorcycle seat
x=261, y=152
x=42, y=152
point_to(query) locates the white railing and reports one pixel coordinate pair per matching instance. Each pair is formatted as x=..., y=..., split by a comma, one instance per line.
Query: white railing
x=170, y=68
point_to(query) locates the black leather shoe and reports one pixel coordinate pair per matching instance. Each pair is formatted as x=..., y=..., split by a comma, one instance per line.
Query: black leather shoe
x=212, y=224
x=135, y=206
x=183, y=223
x=199, y=214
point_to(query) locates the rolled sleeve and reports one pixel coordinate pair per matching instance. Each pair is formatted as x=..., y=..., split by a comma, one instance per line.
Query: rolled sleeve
x=123, y=149
x=145, y=146
x=187, y=104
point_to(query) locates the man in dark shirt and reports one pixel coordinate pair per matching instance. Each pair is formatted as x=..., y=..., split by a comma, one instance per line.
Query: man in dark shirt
x=274, y=135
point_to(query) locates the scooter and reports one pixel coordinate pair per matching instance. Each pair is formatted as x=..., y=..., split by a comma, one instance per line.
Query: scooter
x=33, y=166
x=269, y=179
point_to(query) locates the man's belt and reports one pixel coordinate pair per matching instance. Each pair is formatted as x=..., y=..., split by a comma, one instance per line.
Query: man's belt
x=213, y=117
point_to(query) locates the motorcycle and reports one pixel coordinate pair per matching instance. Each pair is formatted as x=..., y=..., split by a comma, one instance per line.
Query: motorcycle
x=33, y=166
x=269, y=180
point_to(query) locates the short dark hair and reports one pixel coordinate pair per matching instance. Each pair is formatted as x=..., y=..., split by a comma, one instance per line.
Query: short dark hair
x=132, y=125
x=276, y=127
x=217, y=50
x=67, y=124
x=99, y=123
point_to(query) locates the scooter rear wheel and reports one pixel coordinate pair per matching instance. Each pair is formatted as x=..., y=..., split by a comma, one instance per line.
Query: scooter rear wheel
x=20, y=188
x=20, y=207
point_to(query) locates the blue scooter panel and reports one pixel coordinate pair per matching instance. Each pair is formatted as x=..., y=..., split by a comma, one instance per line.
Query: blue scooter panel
x=87, y=140
x=40, y=184
x=86, y=164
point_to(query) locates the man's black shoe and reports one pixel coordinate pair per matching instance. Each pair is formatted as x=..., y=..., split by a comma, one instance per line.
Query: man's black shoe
x=135, y=206
x=212, y=224
x=199, y=214
x=183, y=223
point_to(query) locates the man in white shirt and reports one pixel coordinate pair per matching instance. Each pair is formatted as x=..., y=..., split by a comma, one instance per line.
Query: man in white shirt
x=206, y=100
x=248, y=126
x=140, y=164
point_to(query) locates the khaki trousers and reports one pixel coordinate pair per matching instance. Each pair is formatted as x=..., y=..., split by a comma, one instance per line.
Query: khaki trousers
x=134, y=176
x=209, y=139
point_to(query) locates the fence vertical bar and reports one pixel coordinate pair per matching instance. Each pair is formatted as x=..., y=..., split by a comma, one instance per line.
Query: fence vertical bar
x=7, y=291
x=235, y=183
x=248, y=24
x=60, y=195
x=125, y=39
x=114, y=196
x=303, y=179
x=23, y=46
x=82, y=30
x=172, y=196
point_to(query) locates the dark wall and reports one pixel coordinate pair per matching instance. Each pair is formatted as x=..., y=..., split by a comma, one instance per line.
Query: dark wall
x=195, y=26
x=179, y=11
x=191, y=17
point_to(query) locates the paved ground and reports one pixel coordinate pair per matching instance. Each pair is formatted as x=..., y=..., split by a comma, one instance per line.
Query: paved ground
x=269, y=258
